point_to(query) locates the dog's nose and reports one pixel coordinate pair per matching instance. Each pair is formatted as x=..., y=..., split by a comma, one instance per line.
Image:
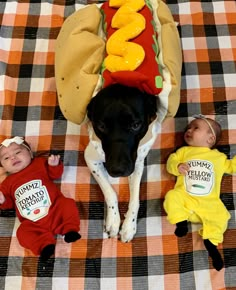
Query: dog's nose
x=120, y=160
x=119, y=170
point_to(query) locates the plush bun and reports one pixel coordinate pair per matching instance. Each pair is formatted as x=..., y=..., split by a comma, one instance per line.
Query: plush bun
x=80, y=52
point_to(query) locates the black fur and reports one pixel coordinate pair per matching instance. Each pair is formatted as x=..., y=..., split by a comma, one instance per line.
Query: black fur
x=120, y=116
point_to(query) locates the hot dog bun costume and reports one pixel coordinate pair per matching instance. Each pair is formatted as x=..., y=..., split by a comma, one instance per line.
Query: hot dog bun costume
x=134, y=43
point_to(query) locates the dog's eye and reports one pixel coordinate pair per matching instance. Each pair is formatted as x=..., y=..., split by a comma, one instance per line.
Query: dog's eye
x=136, y=126
x=101, y=127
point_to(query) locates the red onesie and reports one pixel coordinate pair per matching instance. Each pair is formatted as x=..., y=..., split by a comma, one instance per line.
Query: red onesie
x=40, y=206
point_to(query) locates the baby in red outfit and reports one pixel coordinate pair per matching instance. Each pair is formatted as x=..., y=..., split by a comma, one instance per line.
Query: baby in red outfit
x=40, y=206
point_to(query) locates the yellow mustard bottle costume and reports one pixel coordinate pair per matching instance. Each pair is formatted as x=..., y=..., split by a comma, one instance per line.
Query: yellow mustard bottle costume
x=196, y=196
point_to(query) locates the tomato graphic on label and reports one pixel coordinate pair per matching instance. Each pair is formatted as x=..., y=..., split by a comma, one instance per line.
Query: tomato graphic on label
x=34, y=204
x=37, y=211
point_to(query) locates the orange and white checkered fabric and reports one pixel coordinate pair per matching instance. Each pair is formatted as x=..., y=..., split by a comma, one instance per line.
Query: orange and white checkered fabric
x=156, y=259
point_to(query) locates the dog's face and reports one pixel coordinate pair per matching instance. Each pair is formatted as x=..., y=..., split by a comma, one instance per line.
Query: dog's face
x=120, y=117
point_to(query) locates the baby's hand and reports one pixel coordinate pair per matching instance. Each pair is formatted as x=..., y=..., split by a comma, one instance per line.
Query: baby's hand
x=2, y=198
x=183, y=168
x=53, y=160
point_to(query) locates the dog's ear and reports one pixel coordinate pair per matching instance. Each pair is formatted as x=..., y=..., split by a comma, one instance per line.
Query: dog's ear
x=151, y=105
x=90, y=108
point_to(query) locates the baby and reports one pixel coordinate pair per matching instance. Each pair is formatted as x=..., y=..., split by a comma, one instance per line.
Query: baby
x=42, y=209
x=196, y=196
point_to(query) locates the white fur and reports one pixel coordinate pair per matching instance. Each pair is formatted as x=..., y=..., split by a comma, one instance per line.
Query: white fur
x=95, y=157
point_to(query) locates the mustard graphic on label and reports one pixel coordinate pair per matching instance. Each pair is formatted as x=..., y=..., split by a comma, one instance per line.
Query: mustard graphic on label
x=200, y=177
x=198, y=185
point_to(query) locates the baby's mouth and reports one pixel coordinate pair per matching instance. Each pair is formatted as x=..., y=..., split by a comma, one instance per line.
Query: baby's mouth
x=188, y=136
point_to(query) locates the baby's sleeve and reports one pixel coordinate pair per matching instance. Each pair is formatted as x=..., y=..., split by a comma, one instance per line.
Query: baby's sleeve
x=9, y=202
x=230, y=165
x=172, y=164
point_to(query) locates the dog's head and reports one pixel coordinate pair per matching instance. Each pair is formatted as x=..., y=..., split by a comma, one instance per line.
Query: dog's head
x=120, y=116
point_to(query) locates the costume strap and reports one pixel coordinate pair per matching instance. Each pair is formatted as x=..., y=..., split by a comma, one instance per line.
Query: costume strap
x=200, y=116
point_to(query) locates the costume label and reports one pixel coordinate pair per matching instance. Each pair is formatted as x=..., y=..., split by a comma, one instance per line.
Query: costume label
x=32, y=200
x=200, y=178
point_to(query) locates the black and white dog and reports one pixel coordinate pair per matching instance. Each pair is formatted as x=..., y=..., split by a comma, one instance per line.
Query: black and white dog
x=124, y=121
x=123, y=127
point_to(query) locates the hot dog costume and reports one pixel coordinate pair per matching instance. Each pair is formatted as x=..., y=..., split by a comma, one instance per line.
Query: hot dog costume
x=135, y=43
x=42, y=209
x=196, y=196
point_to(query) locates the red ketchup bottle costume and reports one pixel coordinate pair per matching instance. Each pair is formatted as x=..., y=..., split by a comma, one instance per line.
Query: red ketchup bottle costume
x=42, y=209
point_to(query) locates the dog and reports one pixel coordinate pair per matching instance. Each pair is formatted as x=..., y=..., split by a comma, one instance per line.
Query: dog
x=120, y=117
x=123, y=121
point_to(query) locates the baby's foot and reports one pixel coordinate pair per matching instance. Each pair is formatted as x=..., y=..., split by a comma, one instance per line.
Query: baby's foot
x=181, y=229
x=71, y=237
x=47, y=252
x=217, y=261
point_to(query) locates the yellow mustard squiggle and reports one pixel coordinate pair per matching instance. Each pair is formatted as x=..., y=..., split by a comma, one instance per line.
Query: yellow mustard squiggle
x=122, y=54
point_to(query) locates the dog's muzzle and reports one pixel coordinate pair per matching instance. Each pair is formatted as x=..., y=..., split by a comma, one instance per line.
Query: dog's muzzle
x=119, y=162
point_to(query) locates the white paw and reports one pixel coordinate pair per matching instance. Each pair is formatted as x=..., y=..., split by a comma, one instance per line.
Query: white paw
x=112, y=225
x=128, y=229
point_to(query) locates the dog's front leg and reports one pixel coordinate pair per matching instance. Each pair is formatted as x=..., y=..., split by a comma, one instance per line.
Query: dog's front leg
x=96, y=167
x=129, y=226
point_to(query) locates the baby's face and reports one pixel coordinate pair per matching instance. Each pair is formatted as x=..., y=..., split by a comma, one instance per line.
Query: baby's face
x=15, y=158
x=198, y=134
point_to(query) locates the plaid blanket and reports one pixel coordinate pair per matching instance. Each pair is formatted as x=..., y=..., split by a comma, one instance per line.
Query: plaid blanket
x=156, y=259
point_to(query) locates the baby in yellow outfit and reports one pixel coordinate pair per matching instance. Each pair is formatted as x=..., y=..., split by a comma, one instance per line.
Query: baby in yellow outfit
x=196, y=196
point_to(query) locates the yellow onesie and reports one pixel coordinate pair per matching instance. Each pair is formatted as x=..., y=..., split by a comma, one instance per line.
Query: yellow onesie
x=196, y=196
